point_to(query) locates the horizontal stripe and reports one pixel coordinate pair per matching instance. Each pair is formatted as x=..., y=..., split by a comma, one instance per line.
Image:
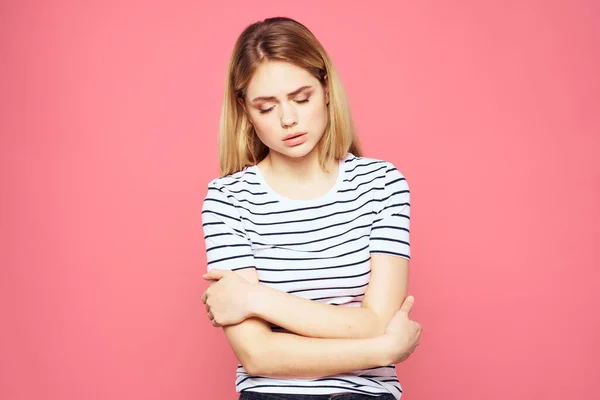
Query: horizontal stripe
x=228, y=258
x=281, y=232
x=393, y=253
x=313, y=386
x=321, y=278
x=227, y=246
x=364, y=174
x=359, y=185
x=313, y=269
x=378, y=162
x=390, y=240
x=307, y=258
x=300, y=220
x=312, y=208
x=328, y=288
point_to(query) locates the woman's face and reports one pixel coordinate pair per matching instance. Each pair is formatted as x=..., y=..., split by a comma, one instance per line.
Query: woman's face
x=288, y=108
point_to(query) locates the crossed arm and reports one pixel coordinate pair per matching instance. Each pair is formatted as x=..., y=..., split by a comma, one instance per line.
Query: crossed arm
x=330, y=339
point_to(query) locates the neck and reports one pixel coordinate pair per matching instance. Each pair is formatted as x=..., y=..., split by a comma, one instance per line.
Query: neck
x=298, y=169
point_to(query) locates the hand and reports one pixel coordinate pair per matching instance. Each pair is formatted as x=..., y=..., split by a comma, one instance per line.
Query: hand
x=227, y=298
x=402, y=335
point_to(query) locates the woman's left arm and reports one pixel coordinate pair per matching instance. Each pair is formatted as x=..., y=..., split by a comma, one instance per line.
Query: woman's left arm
x=385, y=293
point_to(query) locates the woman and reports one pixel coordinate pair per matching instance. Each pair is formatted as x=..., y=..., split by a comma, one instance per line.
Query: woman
x=307, y=241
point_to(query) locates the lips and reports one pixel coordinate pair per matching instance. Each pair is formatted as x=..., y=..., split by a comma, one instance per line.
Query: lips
x=295, y=139
x=294, y=135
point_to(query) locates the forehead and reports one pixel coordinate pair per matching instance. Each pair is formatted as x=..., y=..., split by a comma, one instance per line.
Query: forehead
x=277, y=78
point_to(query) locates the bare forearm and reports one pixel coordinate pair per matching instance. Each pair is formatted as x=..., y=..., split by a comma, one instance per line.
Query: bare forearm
x=312, y=318
x=267, y=353
x=293, y=356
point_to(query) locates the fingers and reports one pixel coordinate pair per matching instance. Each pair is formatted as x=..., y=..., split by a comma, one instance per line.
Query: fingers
x=211, y=317
x=215, y=274
x=408, y=304
x=213, y=320
x=207, y=307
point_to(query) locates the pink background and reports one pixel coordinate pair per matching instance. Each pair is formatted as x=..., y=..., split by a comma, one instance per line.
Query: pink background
x=108, y=121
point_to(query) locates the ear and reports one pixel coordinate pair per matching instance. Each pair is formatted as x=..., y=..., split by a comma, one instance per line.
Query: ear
x=241, y=101
x=326, y=89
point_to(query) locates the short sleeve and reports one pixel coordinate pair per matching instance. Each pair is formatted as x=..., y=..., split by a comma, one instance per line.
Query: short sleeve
x=390, y=233
x=227, y=245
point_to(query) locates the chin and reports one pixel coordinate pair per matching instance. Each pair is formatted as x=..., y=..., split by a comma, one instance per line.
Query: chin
x=300, y=151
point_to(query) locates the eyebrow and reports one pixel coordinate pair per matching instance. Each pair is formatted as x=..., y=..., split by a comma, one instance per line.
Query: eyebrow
x=268, y=98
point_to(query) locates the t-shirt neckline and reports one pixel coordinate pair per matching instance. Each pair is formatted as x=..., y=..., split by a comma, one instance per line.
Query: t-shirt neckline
x=330, y=193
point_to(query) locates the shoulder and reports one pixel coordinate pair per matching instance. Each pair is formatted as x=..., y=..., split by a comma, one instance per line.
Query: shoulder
x=372, y=166
x=230, y=190
x=234, y=183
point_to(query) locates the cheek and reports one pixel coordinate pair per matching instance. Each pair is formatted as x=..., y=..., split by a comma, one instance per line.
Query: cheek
x=265, y=127
x=318, y=116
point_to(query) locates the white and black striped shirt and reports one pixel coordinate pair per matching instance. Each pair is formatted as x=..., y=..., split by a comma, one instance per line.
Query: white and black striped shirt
x=315, y=249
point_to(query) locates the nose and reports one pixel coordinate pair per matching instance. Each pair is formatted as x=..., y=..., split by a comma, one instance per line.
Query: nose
x=288, y=117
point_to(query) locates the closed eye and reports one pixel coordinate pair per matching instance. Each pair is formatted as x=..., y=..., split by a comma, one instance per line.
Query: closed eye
x=267, y=110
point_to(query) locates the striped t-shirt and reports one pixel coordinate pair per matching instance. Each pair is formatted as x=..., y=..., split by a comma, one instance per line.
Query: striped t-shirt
x=315, y=249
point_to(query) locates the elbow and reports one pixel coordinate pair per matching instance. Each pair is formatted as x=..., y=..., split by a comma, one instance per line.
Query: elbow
x=259, y=364
x=248, y=357
x=264, y=361
x=252, y=369
x=253, y=358
x=252, y=365
x=250, y=341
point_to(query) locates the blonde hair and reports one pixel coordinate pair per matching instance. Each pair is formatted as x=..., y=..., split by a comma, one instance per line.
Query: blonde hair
x=279, y=39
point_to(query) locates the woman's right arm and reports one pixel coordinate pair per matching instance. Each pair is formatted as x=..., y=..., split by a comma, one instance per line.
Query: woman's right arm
x=267, y=353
